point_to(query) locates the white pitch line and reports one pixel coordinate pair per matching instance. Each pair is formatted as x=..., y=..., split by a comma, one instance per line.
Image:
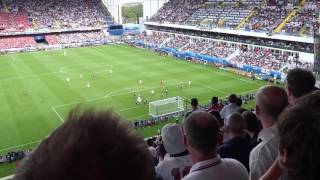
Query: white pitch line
x=21, y=145
x=55, y=111
x=113, y=94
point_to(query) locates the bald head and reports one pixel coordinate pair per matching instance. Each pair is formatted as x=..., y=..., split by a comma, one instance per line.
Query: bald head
x=202, y=131
x=271, y=101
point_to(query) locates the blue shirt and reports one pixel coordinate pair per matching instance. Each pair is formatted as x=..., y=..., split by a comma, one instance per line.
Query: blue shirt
x=236, y=148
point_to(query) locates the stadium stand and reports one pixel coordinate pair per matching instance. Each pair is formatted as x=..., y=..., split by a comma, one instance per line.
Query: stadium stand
x=16, y=21
x=305, y=19
x=235, y=54
x=267, y=18
x=17, y=42
x=49, y=15
x=292, y=18
x=176, y=11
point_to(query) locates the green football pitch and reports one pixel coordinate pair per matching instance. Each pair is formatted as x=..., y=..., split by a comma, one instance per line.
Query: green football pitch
x=36, y=95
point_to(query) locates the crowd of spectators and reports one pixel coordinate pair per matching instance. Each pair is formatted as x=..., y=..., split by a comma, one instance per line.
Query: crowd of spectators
x=281, y=44
x=58, y=14
x=305, y=20
x=16, y=21
x=176, y=11
x=236, y=54
x=178, y=41
x=76, y=37
x=266, y=18
x=261, y=58
x=10, y=42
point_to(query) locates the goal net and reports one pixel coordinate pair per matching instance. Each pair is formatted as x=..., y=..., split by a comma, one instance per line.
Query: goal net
x=166, y=106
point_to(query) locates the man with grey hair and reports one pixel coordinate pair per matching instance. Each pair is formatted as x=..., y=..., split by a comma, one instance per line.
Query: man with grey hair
x=270, y=102
x=201, y=136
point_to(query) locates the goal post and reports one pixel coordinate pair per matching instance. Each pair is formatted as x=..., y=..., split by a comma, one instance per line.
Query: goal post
x=166, y=106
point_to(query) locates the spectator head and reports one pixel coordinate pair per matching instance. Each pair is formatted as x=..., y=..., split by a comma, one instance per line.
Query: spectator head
x=239, y=102
x=214, y=100
x=236, y=124
x=270, y=102
x=194, y=102
x=253, y=125
x=299, y=135
x=150, y=142
x=299, y=82
x=232, y=98
x=89, y=145
x=201, y=132
x=172, y=138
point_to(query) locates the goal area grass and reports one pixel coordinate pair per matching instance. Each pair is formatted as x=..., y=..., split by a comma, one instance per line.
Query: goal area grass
x=38, y=89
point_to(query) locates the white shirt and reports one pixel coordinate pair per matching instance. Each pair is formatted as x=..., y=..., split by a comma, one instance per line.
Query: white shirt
x=172, y=167
x=265, y=153
x=218, y=169
x=228, y=110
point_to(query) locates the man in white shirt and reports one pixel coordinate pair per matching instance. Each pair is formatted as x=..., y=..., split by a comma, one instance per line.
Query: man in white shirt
x=270, y=102
x=201, y=136
x=230, y=108
x=177, y=161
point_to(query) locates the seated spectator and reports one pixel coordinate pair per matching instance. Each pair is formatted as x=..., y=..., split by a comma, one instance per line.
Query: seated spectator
x=89, y=145
x=201, y=136
x=238, y=146
x=194, y=107
x=253, y=127
x=270, y=102
x=178, y=159
x=230, y=108
x=299, y=83
x=299, y=156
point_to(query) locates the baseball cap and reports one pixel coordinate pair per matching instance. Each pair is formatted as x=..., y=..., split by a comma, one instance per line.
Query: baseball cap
x=172, y=138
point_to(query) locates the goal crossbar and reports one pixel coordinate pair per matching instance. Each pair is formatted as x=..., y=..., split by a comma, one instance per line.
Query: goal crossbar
x=166, y=106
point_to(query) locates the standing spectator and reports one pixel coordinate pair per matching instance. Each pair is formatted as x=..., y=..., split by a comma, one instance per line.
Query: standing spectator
x=299, y=141
x=89, y=145
x=270, y=102
x=253, y=127
x=230, y=108
x=238, y=147
x=178, y=159
x=201, y=131
x=299, y=83
x=194, y=107
x=215, y=109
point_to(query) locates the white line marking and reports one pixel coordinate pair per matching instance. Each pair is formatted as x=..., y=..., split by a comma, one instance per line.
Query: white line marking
x=7, y=177
x=115, y=93
x=55, y=111
x=13, y=147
